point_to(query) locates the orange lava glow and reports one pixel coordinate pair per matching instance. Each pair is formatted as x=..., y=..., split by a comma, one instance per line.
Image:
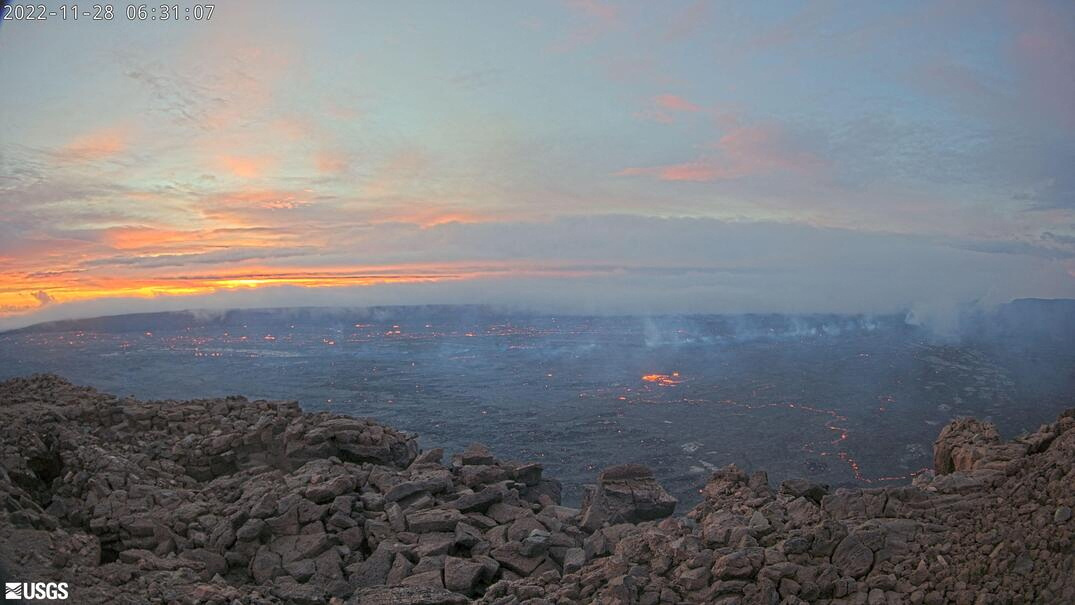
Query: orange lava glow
x=837, y=447
x=663, y=380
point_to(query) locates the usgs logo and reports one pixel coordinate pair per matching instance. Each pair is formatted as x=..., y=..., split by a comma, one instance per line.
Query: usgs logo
x=56, y=591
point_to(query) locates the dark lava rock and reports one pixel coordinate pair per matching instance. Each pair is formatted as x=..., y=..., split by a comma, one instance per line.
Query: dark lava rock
x=236, y=501
x=627, y=493
x=407, y=595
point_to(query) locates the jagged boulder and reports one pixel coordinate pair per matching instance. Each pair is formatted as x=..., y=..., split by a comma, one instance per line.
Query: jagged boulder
x=627, y=493
x=976, y=535
x=407, y=595
x=967, y=444
x=962, y=444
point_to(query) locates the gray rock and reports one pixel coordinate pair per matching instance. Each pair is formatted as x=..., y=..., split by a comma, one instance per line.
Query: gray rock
x=395, y=517
x=807, y=489
x=627, y=493
x=738, y=564
x=303, y=546
x=461, y=575
x=406, y=595
x=523, y=526
x=327, y=491
x=137, y=477
x=342, y=504
x=351, y=537
x=1062, y=514
x=251, y=530
x=284, y=524
x=265, y=565
x=544, y=492
x=290, y=591
x=467, y=535
x=377, y=532
x=694, y=579
x=796, y=545
x=536, y=544
x=265, y=506
x=301, y=570
x=477, y=453
x=476, y=475
x=528, y=474
x=214, y=562
x=510, y=556
x=506, y=513
x=407, y=489
x=435, y=520
x=433, y=456
x=1023, y=564
x=374, y=570
x=479, y=501
x=852, y=557
x=328, y=567
x=437, y=543
x=433, y=579
x=574, y=559
x=401, y=568
x=430, y=563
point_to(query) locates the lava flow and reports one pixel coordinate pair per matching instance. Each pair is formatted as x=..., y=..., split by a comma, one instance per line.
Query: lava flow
x=663, y=380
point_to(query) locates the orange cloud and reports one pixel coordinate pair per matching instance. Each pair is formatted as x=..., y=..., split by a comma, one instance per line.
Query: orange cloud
x=664, y=107
x=154, y=240
x=127, y=238
x=744, y=151
x=1044, y=53
x=97, y=145
x=687, y=21
x=691, y=171
x=331, y=162
x=674, y=103
x=254, y=207
x=247, y=167
x=605, y=12
x=431, y=217
x=597, y=19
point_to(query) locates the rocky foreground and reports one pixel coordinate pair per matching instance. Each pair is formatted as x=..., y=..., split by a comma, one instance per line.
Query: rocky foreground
x=237, y=501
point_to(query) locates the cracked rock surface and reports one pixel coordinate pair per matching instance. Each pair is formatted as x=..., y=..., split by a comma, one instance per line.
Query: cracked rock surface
x=238, y=501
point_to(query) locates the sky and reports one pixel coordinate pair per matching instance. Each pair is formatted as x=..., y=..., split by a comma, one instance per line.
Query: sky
x=578, y=156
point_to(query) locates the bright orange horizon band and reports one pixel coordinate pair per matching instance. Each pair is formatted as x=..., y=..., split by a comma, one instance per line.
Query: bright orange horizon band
x=27, y=292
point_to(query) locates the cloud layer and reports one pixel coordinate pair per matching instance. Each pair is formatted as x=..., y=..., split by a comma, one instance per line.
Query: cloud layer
x=601, y=157
x=605, y=264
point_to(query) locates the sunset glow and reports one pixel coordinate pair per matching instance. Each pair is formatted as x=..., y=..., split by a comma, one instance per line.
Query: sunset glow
x=647, y=157
x=24, y=296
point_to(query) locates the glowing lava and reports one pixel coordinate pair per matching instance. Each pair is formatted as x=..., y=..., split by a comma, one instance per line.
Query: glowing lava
x=837, y=447
x=663, y=380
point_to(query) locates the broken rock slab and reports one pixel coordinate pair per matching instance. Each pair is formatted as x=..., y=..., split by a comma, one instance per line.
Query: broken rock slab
x=626, y=493
x=406, y=595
